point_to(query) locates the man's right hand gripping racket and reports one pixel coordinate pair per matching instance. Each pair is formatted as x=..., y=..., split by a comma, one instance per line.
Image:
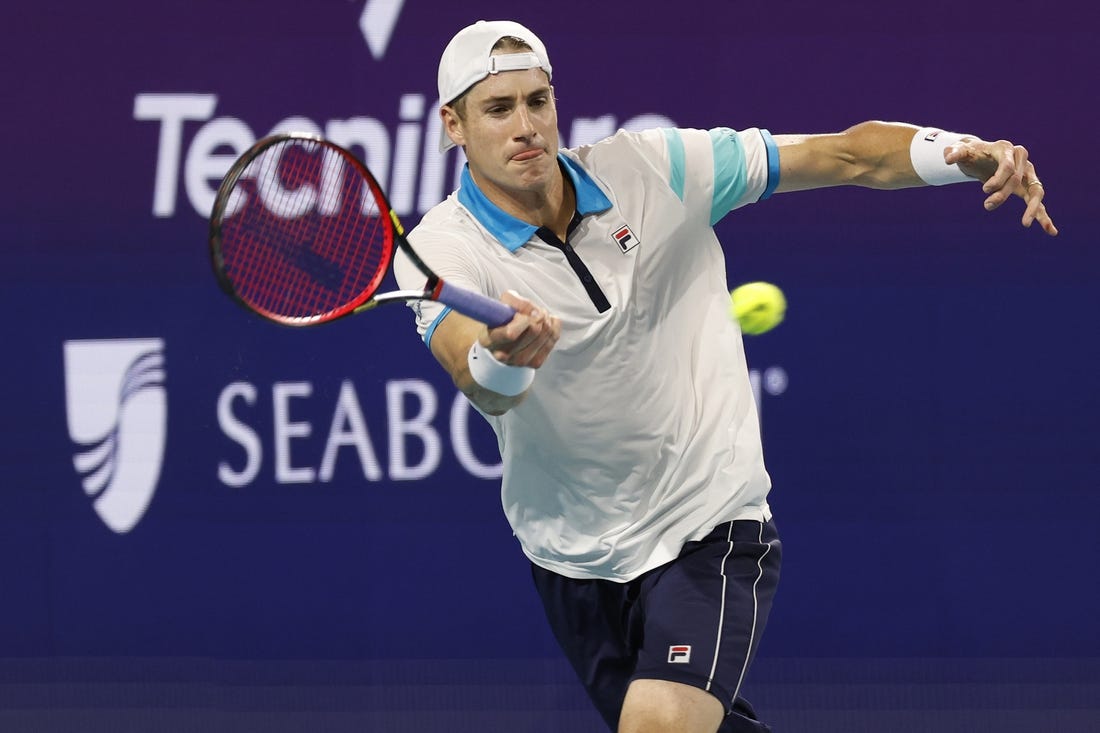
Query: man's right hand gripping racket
x=301, y=233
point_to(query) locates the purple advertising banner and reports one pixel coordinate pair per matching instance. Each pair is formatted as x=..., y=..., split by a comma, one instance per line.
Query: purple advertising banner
x=214, y=523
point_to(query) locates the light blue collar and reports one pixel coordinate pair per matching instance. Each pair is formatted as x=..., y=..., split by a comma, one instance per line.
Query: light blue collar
x=510, y=231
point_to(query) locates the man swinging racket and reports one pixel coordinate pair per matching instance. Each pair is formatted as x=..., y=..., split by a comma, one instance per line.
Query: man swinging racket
x=619, y=393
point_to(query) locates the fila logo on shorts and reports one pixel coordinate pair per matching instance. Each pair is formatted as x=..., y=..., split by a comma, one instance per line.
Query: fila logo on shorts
x=117, y=409
x=679, y=654
x=625, y=239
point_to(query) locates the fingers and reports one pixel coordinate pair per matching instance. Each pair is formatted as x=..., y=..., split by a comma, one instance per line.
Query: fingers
x=1011, y=163
x=1006, y=172
x=527, y=339
x=536, y=342
x=999, y=165
x=1036, y=211
x=1046, y=222
x=1033, y=192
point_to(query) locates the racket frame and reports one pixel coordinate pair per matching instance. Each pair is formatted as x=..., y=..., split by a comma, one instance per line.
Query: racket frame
x=368, y=298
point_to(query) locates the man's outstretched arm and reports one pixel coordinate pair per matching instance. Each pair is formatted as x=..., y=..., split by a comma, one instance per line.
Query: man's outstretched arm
x=882, y=154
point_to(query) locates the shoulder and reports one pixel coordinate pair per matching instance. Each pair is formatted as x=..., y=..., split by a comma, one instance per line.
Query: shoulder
x=446, y=238
x=660, y=148
x=626, y=158
x=448, y=222
x=624, y=144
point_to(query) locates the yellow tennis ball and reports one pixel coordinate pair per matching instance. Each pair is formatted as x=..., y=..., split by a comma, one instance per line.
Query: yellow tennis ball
x=758, y=307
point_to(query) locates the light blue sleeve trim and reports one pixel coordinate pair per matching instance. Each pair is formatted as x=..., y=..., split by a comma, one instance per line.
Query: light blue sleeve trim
x=675, y=161
x=773, y=163
x=431, y=328
x=730, y=174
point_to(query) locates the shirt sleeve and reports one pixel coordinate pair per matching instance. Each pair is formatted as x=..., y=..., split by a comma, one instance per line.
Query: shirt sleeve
x=442, y=255
x=746, y=168
x=721, y=169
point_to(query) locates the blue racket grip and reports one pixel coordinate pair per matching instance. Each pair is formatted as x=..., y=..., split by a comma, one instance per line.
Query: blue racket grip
x=491, y=312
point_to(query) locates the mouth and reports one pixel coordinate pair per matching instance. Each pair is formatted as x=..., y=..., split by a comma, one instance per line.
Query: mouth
x=527, y=154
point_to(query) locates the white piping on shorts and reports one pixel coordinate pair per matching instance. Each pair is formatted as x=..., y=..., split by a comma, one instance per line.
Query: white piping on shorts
x=752, y=634
x=755, y=610
x=722, y=610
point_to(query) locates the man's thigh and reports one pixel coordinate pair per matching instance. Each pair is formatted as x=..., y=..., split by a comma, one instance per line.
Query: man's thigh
x=696, y=621
x=705, y=613
x=669, y=707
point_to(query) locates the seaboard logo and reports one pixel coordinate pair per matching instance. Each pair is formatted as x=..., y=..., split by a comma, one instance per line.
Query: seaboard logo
x=117, y=407
x=117, y=416
x=195, y=148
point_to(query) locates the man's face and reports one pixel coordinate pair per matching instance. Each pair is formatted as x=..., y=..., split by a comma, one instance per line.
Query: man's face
x=510, y=132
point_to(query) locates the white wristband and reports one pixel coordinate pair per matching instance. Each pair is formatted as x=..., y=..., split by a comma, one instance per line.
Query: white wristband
x=493, y=375
x=926, y=152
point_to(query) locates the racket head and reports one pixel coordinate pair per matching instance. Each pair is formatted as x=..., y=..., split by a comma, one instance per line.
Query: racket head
x=300, y=232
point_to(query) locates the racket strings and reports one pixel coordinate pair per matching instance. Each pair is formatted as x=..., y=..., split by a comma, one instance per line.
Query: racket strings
x=305, y=238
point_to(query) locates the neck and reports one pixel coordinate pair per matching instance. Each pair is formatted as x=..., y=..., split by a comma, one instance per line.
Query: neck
x=551, y=206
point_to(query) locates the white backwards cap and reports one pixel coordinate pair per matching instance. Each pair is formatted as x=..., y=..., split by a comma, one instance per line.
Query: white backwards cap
x=468, y=59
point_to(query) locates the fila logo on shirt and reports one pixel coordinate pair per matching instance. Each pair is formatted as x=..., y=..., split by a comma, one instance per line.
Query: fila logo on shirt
x=679, y=654
x=117, y=410
x=625, y=239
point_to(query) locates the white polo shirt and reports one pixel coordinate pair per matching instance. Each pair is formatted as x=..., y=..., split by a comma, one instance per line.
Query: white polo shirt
x=640, y=431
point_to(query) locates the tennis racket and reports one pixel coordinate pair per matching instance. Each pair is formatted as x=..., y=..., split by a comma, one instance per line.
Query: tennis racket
x=301, y=233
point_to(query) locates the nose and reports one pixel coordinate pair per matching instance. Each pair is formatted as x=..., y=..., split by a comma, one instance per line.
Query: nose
x=525, y=128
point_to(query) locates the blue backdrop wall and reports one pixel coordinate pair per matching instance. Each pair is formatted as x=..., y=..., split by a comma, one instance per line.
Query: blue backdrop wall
x=212, y=521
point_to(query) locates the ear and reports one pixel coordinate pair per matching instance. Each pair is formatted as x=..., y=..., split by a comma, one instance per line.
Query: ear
x=452, y=125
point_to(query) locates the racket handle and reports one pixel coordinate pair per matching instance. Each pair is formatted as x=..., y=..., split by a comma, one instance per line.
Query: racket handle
x=491, y=312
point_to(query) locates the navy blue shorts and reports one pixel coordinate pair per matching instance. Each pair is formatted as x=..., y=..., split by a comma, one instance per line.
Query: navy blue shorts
x=696, y=620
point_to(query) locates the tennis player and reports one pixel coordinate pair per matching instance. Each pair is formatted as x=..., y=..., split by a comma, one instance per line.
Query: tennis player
x=633, y=473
